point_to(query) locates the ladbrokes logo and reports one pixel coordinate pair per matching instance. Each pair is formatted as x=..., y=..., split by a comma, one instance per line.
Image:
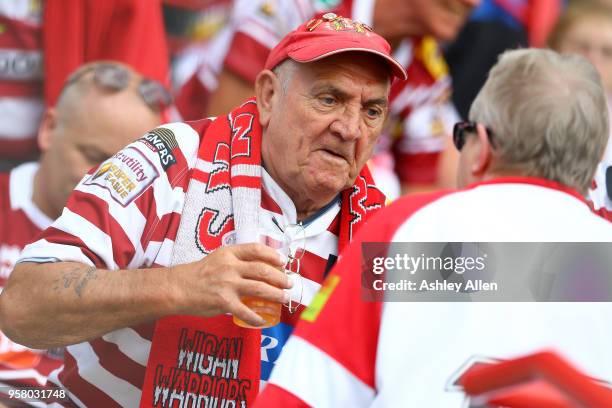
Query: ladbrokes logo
x=125, y=175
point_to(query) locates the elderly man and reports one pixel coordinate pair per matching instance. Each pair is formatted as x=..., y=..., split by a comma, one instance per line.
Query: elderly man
x=178, y=198
x=539, y=127
x=421, y=115
x=99, y=111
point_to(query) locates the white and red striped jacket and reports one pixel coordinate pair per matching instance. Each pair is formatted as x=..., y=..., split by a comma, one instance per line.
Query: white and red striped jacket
x=346, y=352
x=130, y=220
x=20, y=221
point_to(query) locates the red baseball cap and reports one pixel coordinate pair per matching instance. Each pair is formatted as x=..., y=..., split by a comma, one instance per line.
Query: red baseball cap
x=329, y=35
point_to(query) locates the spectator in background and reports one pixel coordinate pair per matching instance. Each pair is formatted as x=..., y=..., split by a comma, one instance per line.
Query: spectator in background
x=191, y=26
x=416, y=144
x=494, y=27
x=539, y=127
x=21, y=80
x=422, y=116
x=586, y=29
x=43, y=41
x=103, y=107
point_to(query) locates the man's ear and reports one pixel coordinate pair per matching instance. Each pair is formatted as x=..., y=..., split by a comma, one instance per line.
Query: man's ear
x=267, y=89
x=46, y=129
x=483, y=160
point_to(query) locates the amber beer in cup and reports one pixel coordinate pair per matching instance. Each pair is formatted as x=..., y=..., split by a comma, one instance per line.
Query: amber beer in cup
x=269, y=311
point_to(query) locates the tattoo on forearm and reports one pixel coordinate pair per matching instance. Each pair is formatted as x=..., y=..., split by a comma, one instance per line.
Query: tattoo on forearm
x=76, y=278
x=89, y=275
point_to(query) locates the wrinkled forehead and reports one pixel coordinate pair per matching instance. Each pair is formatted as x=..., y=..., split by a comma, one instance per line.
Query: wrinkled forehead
x=357, y=69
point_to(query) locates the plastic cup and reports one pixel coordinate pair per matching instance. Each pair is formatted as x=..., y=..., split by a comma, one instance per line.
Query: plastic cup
x=269, y=311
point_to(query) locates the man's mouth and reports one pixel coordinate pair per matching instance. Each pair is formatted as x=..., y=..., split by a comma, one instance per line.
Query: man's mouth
x=335, y=153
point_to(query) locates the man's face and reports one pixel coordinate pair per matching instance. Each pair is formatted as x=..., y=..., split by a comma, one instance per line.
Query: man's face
x=443, y=18
x=592, y=38
x=323, y=128
x=94, y=131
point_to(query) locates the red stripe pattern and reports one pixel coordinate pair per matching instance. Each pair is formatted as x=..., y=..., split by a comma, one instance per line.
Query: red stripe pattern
x=103, y=228
x=21, y=74
x=19, y=366
x=141, y=234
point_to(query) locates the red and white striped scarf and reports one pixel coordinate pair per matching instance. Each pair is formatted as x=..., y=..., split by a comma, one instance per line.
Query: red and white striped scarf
x=221, y=207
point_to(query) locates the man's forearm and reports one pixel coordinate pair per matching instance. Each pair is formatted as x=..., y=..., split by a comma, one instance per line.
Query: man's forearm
x=55, y=304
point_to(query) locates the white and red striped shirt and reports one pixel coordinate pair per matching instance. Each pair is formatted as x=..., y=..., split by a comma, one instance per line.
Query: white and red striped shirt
x=21, y=76
x=20, y=221
x=349, y=352
x=255, y=27
x=125, y=214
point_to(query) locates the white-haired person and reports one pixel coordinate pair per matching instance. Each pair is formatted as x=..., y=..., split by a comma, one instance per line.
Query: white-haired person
x=586, y=29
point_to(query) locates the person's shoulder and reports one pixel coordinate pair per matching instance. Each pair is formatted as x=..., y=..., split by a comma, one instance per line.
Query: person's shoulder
x=266, y=21
x=200, y=126
x=175, y=146
x=161, y=159
x=598, y=224
x=271, y=13
x=406, y=206
x=388, y=220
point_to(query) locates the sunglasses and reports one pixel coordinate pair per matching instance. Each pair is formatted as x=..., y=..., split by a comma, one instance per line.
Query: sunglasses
x=461, y=128
x=117, y=78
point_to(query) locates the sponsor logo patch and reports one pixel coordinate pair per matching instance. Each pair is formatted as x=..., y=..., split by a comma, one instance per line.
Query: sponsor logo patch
x=162, y=141
x=126, y=175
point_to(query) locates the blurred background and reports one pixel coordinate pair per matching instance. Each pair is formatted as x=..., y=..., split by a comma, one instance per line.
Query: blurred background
x=208, y=52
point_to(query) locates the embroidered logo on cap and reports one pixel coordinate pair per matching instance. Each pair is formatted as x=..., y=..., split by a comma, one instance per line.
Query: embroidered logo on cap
x=338, y=23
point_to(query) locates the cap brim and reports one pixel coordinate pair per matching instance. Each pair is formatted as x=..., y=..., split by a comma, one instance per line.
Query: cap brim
x=316, y=52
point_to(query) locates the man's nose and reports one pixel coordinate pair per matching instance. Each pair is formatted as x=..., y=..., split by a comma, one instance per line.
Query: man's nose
x=346, y=126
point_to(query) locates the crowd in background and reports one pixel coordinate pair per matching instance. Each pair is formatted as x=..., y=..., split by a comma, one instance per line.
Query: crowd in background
x=208, y=52
x=191, y=59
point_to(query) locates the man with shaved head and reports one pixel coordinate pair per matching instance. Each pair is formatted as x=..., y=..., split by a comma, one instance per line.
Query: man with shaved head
x=103, y=107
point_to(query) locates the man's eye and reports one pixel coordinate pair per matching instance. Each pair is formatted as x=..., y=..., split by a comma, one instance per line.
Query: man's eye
x=94, y=157
x=327, y=100
x=374, y=113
